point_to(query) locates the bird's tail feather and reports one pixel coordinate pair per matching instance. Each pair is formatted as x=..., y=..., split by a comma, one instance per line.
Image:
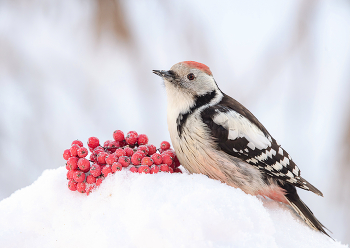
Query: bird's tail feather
x=305, y=213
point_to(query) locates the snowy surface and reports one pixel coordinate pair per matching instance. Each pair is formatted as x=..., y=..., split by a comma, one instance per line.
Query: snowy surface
x=163, y=210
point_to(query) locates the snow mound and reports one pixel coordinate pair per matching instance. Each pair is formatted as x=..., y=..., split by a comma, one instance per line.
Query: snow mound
x=163, y=210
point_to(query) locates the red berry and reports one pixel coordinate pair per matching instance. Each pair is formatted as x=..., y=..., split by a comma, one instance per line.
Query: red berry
x=170, y=152
x=164, y=167
x=74, y=150
x=90, y=189
x=131, y=139
x=82, y=152
x=118, y=135
x=177, y=162
x=133, y=132
x=144, y=169
x=142, y=139
x=72, y=185
x=81, y=187
x=101, y=157
x=151, y=149
x=93, y=158
x=67, y=154
x=106, y=170
x=167, y=159
x=157, y=158
x=77, y=142
x=143, y=149
x=111, y=145
x=171, y=170
x=90, y=179
x=70, y=174
x=177, y=170
x=120, y=152
x=72, y=163
x=146, y=161
x=154, y=169
x=99, y=181
x=129, y=151
x=165, y=145
x=79, y=176
x=136, y=158
x=97, y=150
x=111, y=158
x=116, y=166
x=134, y=169
x=93, y=142
x=124, y=161
x=84, y=164
x=95, y=170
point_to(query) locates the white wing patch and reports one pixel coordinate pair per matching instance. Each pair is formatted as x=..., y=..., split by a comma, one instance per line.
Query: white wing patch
x=239, y=126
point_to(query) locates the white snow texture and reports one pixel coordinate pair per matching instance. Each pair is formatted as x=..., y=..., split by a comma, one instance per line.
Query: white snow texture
x=163, y=210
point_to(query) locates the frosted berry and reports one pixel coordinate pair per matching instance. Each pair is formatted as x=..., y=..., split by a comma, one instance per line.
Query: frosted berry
x=90, y=189
x=133, y=132
x=67, y=154
x=82, y=152
x=165, y=145
x=99, y=181
x=171, y=153
x=131, y=138
x=74, y=150
x=151, y=149
x=136, y=158
x=72, y=163
x=129, y=151
x=164, y=168
x=93, y=142
x=93, y=158
x=120, y=152
x=147, y=161
x=167, y=159
x=70, y=174
x=101, y=157
x=84, y=164
x=81, y=187
x=98, y=150
x=77, y=142
x=154, y=169
x=95, y=170
x=90, y=179
x=143, y=149
x=134, y=169
x=106, y=170
x=124, y=161
x=79, y=176
x=72, y=185
x=116, y=166
x=111, y=145
x=111, y=158
x=177, y=170
x=157, y=158
x=118, y=135
x=144, y=169
x=171, y=170
x=142, y=139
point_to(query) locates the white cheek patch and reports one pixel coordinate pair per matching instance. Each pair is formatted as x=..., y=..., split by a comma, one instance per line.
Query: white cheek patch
x=239, y=126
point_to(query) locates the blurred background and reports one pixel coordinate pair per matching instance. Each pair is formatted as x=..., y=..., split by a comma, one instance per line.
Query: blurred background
x=71, y=69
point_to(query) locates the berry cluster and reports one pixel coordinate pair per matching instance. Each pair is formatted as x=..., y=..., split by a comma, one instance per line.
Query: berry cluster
x=131, y=152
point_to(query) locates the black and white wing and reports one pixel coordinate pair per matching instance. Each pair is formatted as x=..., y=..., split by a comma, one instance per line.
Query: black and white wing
x=240, y=134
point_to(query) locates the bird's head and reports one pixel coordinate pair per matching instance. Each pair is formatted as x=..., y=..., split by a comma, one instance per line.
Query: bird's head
x=189, y=77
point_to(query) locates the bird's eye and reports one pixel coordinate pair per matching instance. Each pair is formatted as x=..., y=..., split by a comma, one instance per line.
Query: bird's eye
x=190, y=76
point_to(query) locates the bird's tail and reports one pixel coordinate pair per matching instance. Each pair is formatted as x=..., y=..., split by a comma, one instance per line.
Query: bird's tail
x=304, y=212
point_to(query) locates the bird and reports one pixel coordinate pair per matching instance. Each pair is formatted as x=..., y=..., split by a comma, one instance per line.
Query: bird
x=215, y=135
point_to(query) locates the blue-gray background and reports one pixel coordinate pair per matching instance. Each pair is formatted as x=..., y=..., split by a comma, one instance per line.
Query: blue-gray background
x=70, y=69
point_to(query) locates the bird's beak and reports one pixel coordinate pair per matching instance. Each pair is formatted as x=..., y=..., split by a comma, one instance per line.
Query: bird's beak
x=165, y=74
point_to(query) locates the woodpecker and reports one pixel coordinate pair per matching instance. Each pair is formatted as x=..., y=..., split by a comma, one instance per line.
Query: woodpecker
x=215, y=135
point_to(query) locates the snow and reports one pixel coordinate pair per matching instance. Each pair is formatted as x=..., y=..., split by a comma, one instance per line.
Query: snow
x=163, y=210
